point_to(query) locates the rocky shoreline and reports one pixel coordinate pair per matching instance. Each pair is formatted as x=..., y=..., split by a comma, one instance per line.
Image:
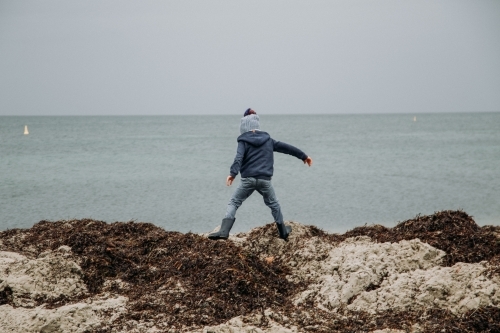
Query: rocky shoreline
x=434, y=273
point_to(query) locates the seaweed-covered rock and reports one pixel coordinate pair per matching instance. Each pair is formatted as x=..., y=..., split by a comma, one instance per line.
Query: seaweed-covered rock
x=428, y=274
x=178, y=279
x=454, y=232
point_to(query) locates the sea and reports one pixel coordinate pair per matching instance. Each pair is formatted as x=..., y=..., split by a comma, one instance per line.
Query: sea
x=171, y=170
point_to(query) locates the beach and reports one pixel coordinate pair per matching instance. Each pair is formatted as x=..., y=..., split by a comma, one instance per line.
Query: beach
x=438, y=272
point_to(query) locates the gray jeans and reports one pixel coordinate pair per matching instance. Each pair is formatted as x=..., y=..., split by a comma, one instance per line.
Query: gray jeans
x=246, y=188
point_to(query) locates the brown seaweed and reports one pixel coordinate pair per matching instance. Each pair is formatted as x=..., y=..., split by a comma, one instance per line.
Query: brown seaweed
x=180, y=280
x=454, y=232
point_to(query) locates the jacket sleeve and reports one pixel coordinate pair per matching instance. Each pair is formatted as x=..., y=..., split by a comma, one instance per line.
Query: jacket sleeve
x=240, y=152
x=285, y=148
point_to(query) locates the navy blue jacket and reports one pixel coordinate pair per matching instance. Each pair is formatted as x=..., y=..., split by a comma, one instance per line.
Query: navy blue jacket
x=254, y=157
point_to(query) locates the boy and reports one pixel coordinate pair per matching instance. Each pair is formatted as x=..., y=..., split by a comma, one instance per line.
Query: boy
x=254, y=159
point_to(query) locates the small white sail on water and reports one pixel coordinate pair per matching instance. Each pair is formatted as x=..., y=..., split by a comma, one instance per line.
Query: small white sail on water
x=26, y=130
x=415, y=118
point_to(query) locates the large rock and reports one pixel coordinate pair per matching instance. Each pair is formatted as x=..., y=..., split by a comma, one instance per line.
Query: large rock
x=76, y=318
x=358, y=264
x=50, y=276
x=459, y=288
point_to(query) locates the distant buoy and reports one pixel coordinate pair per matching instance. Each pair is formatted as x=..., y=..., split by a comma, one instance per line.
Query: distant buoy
x=414, y=118
x=26, y=130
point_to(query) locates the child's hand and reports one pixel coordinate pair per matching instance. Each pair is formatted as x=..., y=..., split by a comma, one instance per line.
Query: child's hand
x=229, y=180
x=308, y=161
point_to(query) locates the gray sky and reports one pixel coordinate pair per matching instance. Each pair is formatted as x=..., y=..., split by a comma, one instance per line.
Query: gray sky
x=220, y=57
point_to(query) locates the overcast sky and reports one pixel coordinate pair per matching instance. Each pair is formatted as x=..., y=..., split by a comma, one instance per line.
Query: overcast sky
x=220, y=57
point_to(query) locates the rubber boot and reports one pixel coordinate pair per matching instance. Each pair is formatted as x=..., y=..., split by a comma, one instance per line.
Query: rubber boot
x=223, y=232
x=284, y=230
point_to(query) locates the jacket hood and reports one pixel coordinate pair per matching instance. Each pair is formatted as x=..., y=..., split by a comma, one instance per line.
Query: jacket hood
x=255, y=138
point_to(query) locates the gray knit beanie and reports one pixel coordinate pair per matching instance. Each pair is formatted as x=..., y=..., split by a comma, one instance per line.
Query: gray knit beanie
x=248, y=123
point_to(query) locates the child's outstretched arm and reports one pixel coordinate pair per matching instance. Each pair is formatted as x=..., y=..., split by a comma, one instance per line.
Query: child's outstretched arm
x=285, y=148
x=235, y=167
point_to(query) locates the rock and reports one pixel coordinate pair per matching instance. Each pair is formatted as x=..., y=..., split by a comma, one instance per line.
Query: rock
x=86, y=275
x=358, y=264
x=243, y=324
x=77, y=318
x=46, y=278
x=459, y=288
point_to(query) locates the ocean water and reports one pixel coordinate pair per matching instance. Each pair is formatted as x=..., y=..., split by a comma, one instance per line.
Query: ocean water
x=171, y=170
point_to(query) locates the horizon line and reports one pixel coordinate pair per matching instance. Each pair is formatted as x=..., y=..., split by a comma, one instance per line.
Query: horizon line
x=231, y=114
